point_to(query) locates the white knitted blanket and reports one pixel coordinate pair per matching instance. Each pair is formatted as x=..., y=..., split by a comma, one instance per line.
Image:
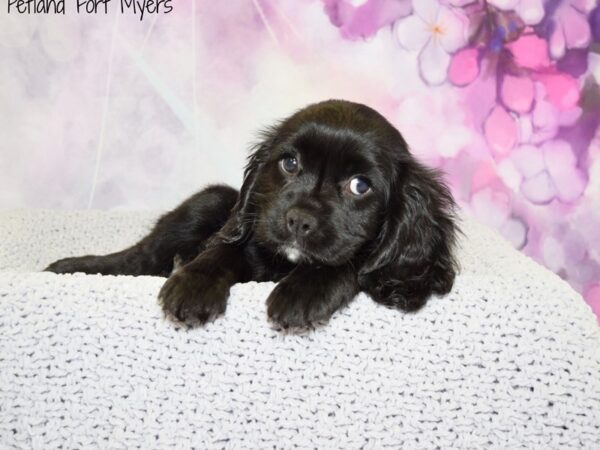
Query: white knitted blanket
x=510, y=359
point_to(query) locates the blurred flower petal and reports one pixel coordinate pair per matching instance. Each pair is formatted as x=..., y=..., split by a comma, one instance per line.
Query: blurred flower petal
x=427, y=9
x=515, y=231
x=412, y=33
x=504, y=5
x=525, y=127
x=501, y=131
x=562, y=90
x=461, y=2
x=575, y=247
x=583, y=273
x=531, y=11
x=490, y=206
x=583, y=6
x=575, y=27
x=570, y=183
x=530, y=52
x=435, y=30
x=545, y=118
x=569, y=117
x=539, y=189
x=453, y=34
x=592, y=297
x=553, y=253
x=560, y=161
x=509, y=174
x=594, y=61
x=529, y=160
x=360, y=19
x=557, y=42
x=464, y=67
x=453, y=140
x=558, y=154
x=571, y=29
x=433, y=63
x=517, y=93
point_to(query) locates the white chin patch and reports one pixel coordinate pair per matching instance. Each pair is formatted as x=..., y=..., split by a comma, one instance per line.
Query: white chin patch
x=293, y=254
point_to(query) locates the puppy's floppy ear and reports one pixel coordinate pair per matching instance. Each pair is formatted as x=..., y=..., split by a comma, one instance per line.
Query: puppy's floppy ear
x=413, y=256
x=241, y=220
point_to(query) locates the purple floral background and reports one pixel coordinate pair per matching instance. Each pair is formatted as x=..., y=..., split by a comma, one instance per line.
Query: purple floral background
x=111, y=112
x=526, y=76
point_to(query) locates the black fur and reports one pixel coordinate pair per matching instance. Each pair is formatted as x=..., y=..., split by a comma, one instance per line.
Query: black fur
x=307, y=229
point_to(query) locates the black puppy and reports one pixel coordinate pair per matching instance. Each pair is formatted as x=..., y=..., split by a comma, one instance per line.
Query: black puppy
x=332, y=203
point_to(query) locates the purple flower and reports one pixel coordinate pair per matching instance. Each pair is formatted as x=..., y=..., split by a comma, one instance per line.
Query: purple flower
x=359, y=19
x=547, y=115
x=571, y=27
x=549, y=172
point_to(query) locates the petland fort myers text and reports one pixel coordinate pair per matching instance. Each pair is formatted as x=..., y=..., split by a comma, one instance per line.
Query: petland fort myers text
x=141, y=8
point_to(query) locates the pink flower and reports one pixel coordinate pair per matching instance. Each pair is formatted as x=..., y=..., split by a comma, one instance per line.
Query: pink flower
x=562, y=90
x=546, y=118
x=501, y=131
x=464, y=67
x=571, y=27
x=530, y=52
x=517, y=93
x=436, y=31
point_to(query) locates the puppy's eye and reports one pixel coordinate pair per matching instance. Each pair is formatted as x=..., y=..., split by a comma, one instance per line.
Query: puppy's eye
x=359, y=186
x=289, y=164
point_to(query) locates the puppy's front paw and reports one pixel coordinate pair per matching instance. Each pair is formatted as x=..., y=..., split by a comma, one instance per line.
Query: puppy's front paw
x=290, y=307
x=194, y=297
x=72, y=265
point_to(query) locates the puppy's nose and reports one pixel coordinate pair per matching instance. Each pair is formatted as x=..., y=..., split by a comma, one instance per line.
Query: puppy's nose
x=300, y=223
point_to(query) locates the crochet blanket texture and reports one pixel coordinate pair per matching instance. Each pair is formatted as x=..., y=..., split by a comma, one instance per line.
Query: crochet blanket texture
x=509, y=359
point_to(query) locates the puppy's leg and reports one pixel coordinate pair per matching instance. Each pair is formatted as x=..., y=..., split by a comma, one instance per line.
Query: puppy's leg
x=181, y=232
x=409, y=287
x=198, y=291
x=311, y=294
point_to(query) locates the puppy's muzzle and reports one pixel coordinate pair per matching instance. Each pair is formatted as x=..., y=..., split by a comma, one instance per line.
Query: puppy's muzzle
x=300, y=223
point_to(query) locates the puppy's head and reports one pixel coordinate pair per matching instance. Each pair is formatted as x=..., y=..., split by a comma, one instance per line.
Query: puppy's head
x=335, y=183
